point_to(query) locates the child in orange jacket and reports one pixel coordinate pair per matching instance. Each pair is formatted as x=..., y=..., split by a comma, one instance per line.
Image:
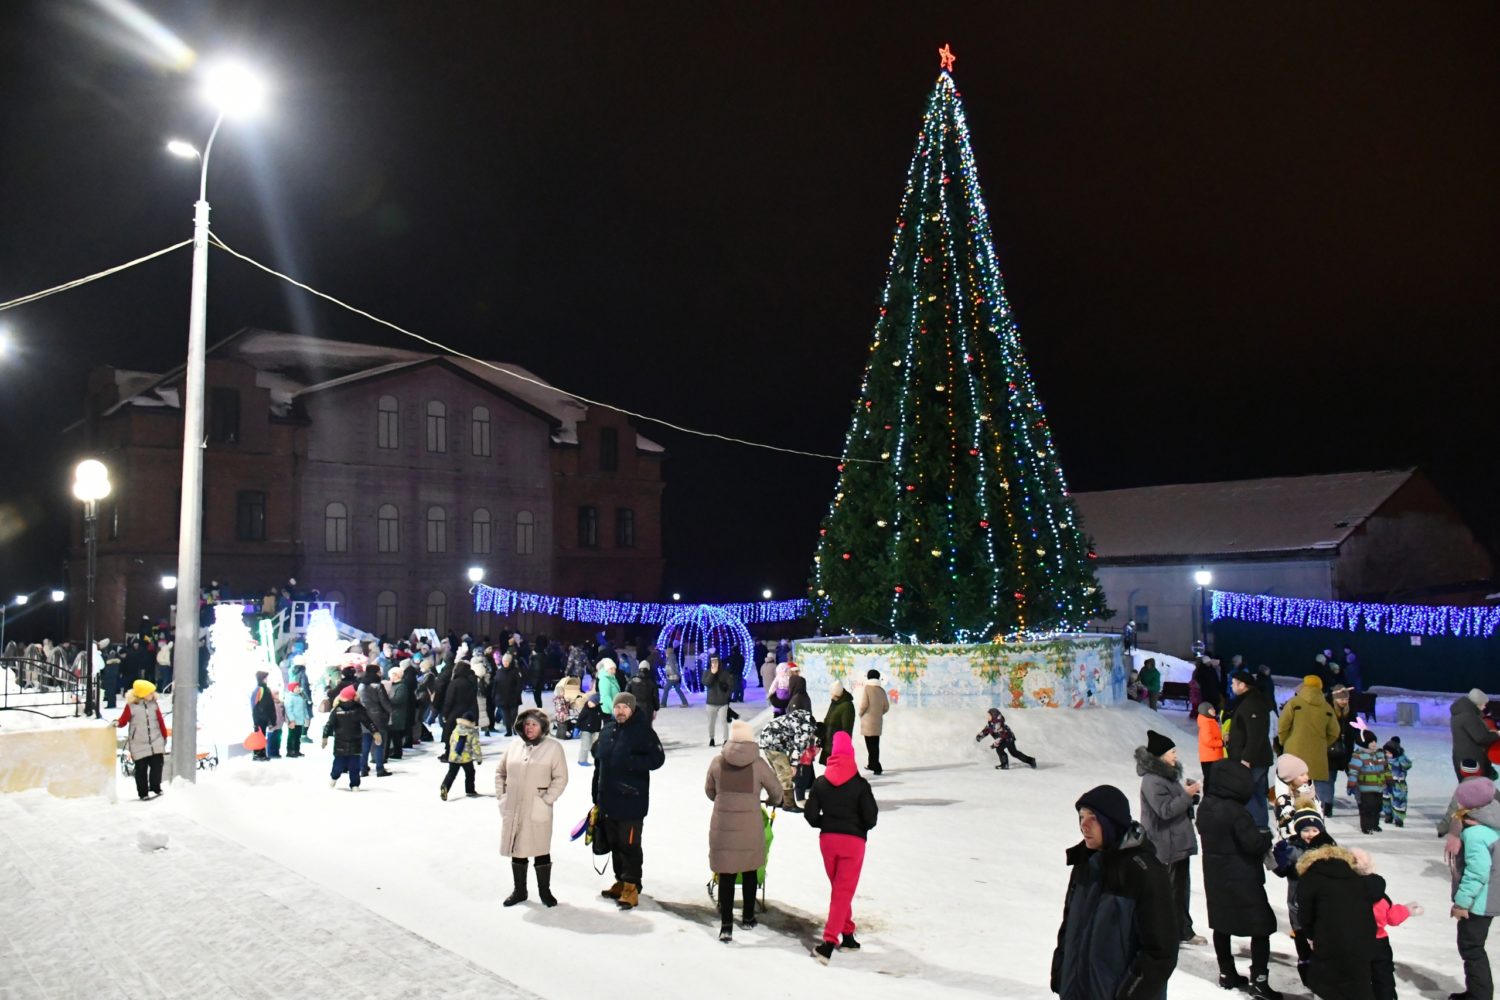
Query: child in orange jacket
x=1210, y=738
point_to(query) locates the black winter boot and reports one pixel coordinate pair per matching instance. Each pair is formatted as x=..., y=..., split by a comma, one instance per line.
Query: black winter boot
x=518, y=873
x=544, y=884
x=1232, y=981
x=1260, y=988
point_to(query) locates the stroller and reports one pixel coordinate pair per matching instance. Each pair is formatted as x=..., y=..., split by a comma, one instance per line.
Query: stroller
x=567, y=700
x=767, y=820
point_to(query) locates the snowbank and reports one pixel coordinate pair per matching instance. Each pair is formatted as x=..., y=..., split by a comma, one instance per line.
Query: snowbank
x=69, y=758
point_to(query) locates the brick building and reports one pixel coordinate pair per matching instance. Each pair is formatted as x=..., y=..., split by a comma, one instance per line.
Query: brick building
x=377, y=476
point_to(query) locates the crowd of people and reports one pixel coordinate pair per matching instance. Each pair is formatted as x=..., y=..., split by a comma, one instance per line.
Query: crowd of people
x=1126, y=912
x=1136, y=872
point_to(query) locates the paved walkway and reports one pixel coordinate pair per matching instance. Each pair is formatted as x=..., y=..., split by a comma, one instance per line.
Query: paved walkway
x=88, y=913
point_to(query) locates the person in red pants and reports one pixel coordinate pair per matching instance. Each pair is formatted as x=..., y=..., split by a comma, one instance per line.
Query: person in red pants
x=842, y=806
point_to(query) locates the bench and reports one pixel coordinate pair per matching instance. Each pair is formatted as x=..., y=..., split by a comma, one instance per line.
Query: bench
x=1175, y=691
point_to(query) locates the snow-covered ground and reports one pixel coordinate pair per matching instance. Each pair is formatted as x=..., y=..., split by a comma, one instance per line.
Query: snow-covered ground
x=961, y=893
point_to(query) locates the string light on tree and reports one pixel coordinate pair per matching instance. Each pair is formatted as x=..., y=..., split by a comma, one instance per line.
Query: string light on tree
x=948, y=440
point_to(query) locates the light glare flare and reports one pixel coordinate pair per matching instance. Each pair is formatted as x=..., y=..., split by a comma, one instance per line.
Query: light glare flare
x=234, y=90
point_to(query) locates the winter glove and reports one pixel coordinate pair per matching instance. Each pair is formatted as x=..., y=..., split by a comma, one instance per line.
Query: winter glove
x=1416, y=909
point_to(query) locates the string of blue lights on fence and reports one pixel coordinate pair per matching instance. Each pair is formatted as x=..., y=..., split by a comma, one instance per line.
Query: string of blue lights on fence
x=1353, y=616
x=504, y=601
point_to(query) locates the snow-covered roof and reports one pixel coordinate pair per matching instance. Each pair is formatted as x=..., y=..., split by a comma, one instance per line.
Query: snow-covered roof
x=1241, y=517
x=290, y=364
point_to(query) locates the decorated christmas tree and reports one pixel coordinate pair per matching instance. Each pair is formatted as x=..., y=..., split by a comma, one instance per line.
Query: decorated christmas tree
x=951, y=521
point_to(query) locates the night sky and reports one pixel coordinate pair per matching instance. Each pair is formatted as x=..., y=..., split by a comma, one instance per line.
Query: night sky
x=1238, y=242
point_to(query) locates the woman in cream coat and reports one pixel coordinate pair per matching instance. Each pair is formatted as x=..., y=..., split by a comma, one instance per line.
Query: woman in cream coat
x=529, y=780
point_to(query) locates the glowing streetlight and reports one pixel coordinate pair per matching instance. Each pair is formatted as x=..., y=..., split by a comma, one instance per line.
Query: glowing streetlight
x=21, y=600
x=58, y=596
x=168, y=582
x=233, y=91
x=476, y=573
x=186, y=150
x=766, y=594
x=1203, y=578
x=90, y=485
x=7, y=342
x=676, y=597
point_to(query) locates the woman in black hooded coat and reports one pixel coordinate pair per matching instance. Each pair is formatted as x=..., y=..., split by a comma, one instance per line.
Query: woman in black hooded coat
x=1234, y=878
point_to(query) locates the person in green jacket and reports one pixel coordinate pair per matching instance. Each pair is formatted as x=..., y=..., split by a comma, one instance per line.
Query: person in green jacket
x=1150, y=679
x=609, y=684
x=840, y=716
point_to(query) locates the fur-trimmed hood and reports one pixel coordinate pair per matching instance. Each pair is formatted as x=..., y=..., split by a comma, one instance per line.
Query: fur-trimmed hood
x=131, y=698
x=1147, y=762
x=542, y=720
x=1329, y=852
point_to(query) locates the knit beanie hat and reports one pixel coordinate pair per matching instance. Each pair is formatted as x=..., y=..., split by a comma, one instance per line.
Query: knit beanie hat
x=1479, y=698
x=1469, y=768
x=740, y=732
x=1313, y=681
x=995, y=711
x=1475, y=792
x=347, y=694
x=1243, y=676
x=873, y=675
x=1157, y=744
x=1111, y=807
x=291, y=688
x=143, y=688
x=1289, y=766
x=1304, y=818
x=627, y=699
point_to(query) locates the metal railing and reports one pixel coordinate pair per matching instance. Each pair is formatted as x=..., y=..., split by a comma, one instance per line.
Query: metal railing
x=39, y=686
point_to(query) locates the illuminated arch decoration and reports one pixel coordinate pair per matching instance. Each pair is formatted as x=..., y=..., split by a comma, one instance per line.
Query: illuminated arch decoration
x=707, y=628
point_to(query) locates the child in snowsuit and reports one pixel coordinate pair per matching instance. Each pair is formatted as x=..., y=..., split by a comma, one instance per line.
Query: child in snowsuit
x=1305, y=832
x=347, y=724
x=295, y=706
x=1292, y=770
x=1476, y=890
x=590, y=722
x=1210, y=739
x=464, y=752
x=1387, y=914
x=1004, y=740
x=1393, y=803
x=1369, y=772
x=802, y=780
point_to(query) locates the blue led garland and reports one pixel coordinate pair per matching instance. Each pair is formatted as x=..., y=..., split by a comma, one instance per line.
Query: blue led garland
x=1352, y=616
x=504, y=601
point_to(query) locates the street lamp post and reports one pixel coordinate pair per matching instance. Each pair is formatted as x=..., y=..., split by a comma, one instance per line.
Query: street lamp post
x=233, y=91
x=90, y=484
x=1203, y=578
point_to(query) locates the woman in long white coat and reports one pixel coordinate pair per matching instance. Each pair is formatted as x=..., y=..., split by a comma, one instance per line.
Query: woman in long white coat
x=530, y=779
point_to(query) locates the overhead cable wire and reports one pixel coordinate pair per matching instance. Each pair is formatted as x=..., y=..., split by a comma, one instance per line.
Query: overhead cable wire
x=69, y=285
x=214, y=239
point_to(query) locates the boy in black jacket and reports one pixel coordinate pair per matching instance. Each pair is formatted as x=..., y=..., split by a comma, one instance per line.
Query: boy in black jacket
x=1336, y=906
x=843, y=807
x=346, y=724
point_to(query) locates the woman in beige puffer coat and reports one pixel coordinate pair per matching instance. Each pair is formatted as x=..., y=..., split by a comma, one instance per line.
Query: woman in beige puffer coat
x=530, y=779
x=736, y=836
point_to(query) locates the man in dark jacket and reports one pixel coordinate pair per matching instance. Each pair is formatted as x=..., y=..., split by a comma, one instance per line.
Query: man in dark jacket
x=1471, y=737
x=399, y=736
x=460, y=700
x=628, y=752
x=262, y=709
x=644, y=687
x=1116, y=883
x=347, y=724
x=1209, y=687
x=1250, y=741
x=505, y=692
x=377, y=705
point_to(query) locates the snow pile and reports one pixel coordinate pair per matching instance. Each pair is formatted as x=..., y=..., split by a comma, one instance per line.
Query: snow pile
x=149, y=840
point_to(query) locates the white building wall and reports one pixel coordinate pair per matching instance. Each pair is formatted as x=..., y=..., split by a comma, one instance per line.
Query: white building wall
x=1171, y=600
